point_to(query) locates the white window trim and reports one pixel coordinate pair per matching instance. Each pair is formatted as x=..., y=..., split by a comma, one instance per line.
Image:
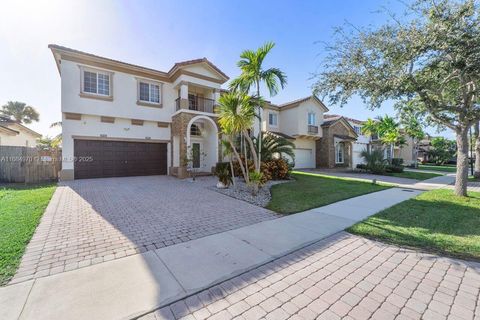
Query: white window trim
x=337, y=149
x=276, y=117
x=150, y=82
x=314, y=118
x=97, y=71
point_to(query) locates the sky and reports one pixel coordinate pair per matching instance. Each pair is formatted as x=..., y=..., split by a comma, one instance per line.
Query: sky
x=156, y=34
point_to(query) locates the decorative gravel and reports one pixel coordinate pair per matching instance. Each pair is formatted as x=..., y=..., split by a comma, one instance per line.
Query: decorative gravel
x=243, y=192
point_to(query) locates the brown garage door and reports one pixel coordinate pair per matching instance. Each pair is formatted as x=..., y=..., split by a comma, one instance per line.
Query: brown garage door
x=99, y=159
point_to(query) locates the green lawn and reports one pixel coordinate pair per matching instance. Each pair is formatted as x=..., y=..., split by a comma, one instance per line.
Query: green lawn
x=444, y=168
x=311, y=190
x=21, y=208
x=414, y=175
x=435, y=221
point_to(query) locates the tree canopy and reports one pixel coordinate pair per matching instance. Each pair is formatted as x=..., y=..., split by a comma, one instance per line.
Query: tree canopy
x=20, y=112
x=428, y=61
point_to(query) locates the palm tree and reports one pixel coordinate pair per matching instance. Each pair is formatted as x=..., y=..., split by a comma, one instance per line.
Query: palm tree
x=273, y=145
x=236, y=116
x=387, y=129
x=228, y=152
x=20, y=112
x=253, y=75
x=58, y=137
x=374, y=160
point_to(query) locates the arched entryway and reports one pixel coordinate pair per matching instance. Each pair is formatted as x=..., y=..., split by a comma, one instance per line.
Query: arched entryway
x=202, y=143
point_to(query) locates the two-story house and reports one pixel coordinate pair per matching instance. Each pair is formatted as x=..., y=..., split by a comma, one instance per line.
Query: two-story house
x=299, y=121
x=120, y=119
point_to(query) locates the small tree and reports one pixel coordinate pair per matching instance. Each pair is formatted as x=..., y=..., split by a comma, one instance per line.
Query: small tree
x=253, y=76
x=20, y=112
x=275, y=146
x=375, y=161
x=387, y=130
x=228, y=152
x=443, y=150
x=430, y=57
x=236, y=116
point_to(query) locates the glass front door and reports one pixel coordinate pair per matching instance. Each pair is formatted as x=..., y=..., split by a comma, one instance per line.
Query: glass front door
x=196, y=154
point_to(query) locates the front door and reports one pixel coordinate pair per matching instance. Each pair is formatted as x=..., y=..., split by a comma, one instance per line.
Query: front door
x=196, y=154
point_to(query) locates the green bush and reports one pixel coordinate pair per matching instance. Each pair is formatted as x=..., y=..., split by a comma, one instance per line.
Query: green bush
x=376, y=164
x=276, y=169
x=397, y=162
x=394, y=169
x=362, y=167
x=222, y=171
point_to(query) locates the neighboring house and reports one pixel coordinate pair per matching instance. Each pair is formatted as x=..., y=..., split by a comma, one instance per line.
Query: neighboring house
x=120, y=119
x=362, y=142
x=406, y=151
x=13, y=133
x=335, y=148
x=298, y=121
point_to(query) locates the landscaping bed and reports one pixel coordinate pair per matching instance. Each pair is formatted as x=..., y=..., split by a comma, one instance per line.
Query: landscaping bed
x=243, y=192
x=436, y=221
x=20, y=212
x=311, y=190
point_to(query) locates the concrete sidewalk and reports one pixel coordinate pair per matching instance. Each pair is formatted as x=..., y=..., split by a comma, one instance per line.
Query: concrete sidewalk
x=138, y=284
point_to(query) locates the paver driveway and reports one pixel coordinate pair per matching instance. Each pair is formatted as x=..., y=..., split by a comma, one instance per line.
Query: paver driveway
x=96, y=220
x=342, y=277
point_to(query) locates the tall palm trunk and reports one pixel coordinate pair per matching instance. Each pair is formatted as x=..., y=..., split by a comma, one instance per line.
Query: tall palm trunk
x=232, y=170
x=461, y=178
x=254, y=152
x=476, y=128
x=245, y=175
x=259, y=128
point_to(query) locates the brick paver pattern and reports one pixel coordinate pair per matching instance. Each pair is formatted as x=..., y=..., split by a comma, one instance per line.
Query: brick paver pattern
x=341, y=277
x=91, y=221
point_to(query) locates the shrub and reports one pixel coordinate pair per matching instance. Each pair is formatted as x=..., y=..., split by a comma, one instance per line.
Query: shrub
x=375, y=161
x=362, y=167
x=256, y=180
x=394, y=169
x=222, y=171
x=277, y=169
x=397, y=162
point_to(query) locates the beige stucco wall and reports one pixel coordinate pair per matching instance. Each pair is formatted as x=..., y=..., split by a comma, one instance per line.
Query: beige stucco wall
x=23, y=139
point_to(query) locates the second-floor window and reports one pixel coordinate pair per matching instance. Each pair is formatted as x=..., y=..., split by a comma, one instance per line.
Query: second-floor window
x=149, y=92
x=358, y=130
x=273, y=119
x=96, y=82
x=311, y=119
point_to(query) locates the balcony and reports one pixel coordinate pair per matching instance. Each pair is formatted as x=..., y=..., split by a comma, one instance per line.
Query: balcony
x=312, y=129
x=198, y=104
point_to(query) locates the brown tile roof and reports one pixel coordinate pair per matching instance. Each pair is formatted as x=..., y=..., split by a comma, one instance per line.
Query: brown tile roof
x=337, y=116
x=298, y=101
x=175, y=66
x=195, y=61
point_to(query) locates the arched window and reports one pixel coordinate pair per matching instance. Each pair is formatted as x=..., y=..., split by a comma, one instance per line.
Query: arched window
x=195, y=130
